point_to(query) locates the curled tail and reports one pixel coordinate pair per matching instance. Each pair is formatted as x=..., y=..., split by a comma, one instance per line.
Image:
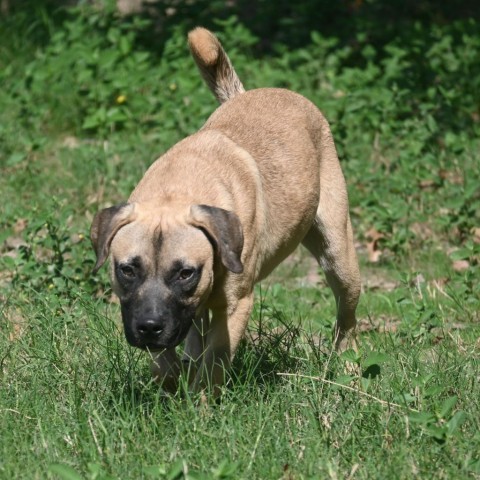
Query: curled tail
x=214, y=64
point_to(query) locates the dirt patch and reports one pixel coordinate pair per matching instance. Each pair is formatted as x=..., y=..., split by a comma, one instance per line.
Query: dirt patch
x=381, y=324
x=17, y=322
x=372, y=280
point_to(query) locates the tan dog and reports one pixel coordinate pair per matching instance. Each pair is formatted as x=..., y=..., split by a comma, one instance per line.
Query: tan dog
x=216, y=214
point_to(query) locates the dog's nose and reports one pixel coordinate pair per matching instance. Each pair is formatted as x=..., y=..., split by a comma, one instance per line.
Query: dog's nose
x=149, y=329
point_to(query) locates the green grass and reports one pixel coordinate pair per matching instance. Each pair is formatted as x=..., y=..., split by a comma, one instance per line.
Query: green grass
x=77, y=402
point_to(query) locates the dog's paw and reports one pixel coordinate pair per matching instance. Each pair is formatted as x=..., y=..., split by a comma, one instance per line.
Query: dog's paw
x=346, y=341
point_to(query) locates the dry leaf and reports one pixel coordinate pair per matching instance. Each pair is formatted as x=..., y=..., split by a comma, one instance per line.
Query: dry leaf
x=14, y=243
x=20, y=225
x=373, y=236
x=71, y=142
x=427, y=183
x=476, y=234
x=455, y=177
x=421, y=230
x=460, y=265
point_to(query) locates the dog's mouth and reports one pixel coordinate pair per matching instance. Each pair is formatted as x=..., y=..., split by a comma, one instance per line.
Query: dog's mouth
x=151, y=347
x=154, y=346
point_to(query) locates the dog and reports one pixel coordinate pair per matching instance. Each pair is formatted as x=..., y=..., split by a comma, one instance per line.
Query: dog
x=216, y=214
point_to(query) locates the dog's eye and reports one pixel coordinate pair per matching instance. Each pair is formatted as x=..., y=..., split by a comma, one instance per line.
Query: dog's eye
x=127, y=271
x=186, y=273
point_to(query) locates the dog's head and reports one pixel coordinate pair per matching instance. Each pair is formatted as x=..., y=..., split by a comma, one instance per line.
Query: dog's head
x=163, y=261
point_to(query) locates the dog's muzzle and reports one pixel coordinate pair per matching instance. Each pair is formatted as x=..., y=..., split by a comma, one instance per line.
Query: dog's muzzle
x=156, y=334
x=149, y=330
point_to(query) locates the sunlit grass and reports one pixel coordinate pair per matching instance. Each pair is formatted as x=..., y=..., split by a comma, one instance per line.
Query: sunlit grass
x=77, y=402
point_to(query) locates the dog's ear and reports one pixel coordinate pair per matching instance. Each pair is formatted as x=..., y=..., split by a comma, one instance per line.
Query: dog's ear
x=105, y=226
x=224, y=230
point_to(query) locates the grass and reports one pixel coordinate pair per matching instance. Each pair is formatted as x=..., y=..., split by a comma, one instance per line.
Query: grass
x=77, y=402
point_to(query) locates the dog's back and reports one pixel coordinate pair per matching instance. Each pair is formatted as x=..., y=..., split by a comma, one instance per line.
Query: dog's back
x=281, y=131
x=257, y=112
x=290, y=142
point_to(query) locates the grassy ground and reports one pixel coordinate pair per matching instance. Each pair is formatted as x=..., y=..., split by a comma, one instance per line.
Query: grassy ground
x=83, y=113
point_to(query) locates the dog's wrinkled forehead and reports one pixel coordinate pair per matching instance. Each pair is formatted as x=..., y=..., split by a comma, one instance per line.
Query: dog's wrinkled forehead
x=161, y=240
x=132, y=240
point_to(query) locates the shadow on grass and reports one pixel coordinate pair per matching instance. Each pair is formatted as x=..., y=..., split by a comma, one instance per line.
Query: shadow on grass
x=276, y=345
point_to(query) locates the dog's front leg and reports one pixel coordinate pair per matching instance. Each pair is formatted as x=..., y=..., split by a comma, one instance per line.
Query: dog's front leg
x=195, y=345
x=165, y=368
x=227, y=328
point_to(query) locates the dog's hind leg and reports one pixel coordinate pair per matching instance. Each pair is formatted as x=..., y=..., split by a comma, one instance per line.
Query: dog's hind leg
x=330, y=240
x=335, y=253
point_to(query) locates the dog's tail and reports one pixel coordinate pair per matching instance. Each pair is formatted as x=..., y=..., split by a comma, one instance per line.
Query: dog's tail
x=214, y=64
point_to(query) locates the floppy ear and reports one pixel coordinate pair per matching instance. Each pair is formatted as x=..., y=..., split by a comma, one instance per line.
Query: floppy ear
x=105, y=226
x=224, y=230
